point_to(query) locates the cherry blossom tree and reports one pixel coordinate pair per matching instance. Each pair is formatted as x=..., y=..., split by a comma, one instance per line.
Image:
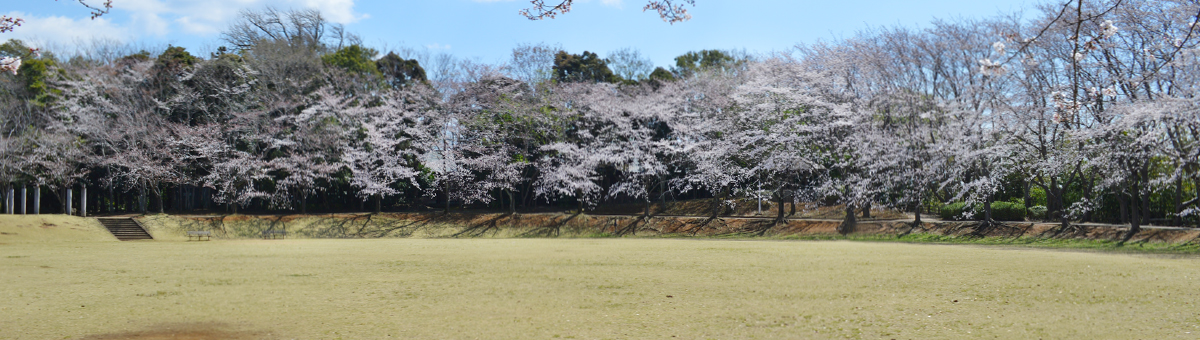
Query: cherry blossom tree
x=704, y=116
x=494, y=116
x=790, y=121
x=394, y=131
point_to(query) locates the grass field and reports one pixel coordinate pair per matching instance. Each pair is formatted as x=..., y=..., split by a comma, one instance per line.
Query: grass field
x=84, y=286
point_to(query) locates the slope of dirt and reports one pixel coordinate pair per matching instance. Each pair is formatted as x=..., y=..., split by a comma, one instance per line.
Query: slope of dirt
x=739, y=208
x=464, y=225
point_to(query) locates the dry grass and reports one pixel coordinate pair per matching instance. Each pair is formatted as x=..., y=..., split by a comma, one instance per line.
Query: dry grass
x=585, y=289
x=51, y=228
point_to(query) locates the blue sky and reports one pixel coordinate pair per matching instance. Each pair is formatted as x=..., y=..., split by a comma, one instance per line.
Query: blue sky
x=487, y=30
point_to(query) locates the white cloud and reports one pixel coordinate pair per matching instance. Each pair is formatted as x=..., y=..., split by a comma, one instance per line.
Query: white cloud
x=613, y=3
x=160, y=17
x=339, y=11
x=64, y=30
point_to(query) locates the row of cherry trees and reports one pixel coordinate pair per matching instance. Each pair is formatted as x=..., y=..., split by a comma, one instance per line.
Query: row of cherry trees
x=1087, y=102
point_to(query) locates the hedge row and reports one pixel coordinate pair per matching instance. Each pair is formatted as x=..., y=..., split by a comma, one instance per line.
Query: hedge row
x=1001, y=211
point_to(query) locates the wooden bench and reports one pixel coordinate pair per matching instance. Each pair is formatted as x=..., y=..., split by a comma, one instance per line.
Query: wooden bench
x=207, y=235
x=273, y=234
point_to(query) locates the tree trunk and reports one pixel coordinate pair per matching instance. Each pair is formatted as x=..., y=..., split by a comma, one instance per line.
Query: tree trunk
x=792, y=200
x=303, y=204
x=512, y=203
x=646, y=213
x=379, y=203
x=67, y=203
x=158, y=196
x=779, y=205
x=987, y=209
x=37, y=200
x=8, y=200
x=866, y=211
x=848, y=225
x=1145, y=209
x=1134, y=220
x=917, y=213
x=716, y=204
x=24, y=199
x=142, y=199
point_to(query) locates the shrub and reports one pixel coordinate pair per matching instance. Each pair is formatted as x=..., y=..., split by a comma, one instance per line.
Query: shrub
x=1038, y=212
x=1008, y=211
x=952, y=211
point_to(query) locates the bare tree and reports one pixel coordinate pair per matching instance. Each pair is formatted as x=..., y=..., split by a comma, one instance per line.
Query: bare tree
x=533, y=64
x=630, y=64
x=671, y=11
x=297, y=28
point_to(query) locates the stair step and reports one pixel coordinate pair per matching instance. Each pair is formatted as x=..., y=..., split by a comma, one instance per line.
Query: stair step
x=125, y=229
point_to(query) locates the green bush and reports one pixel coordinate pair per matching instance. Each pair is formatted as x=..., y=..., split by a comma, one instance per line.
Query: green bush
x=1037, y=196
x=1008, y=211
x=1038, y=212
x=952, y=211
x=1001, y=211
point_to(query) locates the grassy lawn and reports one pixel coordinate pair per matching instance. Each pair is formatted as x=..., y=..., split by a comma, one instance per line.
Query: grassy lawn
x=92, y=288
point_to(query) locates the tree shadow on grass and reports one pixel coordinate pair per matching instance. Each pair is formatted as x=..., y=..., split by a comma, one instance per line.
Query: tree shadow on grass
x=713, y=223
x=762, y=227
x=983, y=229
x=915, y=227
x=551, y=229
x=640, y=223
x=400, y=227
x=481, y=228
x=1061, y=232
x=214, y=224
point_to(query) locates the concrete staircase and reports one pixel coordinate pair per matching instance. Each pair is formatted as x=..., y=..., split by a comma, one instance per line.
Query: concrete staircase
x=125, y=229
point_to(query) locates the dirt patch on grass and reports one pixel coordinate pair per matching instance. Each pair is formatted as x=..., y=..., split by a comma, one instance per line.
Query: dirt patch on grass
x=183, y=331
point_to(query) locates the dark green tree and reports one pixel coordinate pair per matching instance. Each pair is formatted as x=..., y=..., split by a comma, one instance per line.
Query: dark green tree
x=691, y=62
x=398, y=71
x=34, y=72
x=586, y=67
x=661, y=74
x=354, y=58
x=174, y=59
